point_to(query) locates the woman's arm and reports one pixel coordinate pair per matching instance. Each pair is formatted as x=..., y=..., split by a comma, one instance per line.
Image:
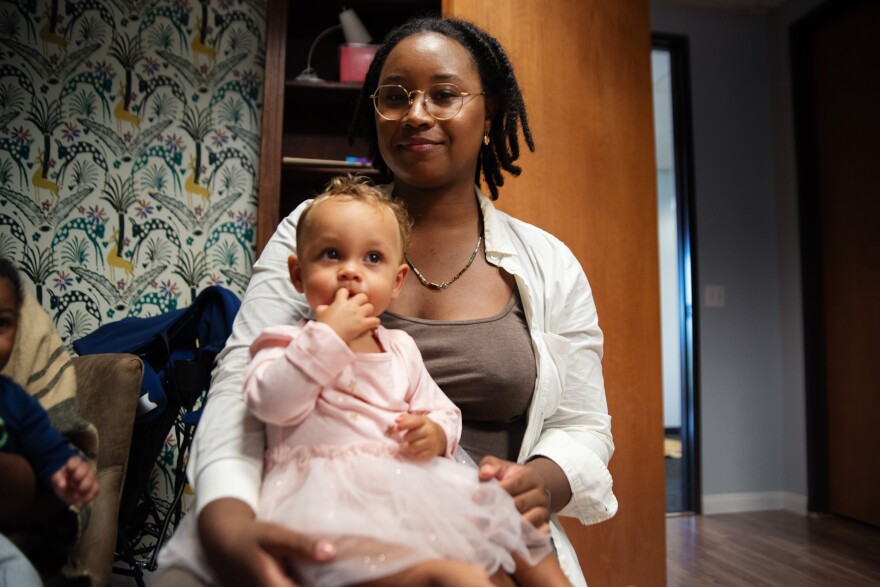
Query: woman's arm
x=226, y=458
x=576, y=428
x=569, y=429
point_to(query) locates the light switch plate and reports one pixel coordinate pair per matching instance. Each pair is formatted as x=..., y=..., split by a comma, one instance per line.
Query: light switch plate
x=714, y=296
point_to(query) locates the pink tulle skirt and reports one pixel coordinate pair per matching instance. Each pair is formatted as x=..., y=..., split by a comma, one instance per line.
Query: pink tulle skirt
x=386, y=514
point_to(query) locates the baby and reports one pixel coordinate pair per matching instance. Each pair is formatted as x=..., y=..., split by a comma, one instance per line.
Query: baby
x=29, y=444
x=360, y=438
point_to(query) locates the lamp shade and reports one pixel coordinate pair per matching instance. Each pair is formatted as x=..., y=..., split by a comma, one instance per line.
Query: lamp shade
x=352, y=27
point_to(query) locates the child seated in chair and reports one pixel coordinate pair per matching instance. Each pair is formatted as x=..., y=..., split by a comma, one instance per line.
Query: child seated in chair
x=34, y=456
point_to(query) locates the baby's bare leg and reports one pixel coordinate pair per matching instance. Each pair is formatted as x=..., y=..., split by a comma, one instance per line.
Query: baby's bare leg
x=436, y=573
x=546, y=573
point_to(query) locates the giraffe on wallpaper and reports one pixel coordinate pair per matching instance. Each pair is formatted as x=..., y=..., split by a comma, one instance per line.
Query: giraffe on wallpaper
x=198, y=45
x=115, y=261
x=47, y=30
x=192, y=184
x=121, y=112
x=39, y=179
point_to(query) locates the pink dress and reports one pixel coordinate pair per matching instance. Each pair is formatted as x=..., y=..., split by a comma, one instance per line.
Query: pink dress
x=332, y=468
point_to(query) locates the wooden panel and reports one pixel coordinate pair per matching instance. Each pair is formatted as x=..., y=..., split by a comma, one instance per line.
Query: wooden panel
x=846, y=57
x=584, y=66
x=273, y=121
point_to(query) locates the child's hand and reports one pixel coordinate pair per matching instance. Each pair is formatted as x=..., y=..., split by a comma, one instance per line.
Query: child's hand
x=349, y=316
x=422, y=438
x=75, y=482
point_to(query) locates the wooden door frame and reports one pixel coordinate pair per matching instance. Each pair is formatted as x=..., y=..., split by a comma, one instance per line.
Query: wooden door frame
x=683, y=146
x=806, y=154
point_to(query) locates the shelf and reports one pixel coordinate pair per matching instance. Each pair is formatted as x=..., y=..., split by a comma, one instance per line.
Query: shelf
x=294, y=84
x=309, y=163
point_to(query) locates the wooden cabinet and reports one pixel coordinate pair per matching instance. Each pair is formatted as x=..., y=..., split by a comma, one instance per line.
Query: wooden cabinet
x=305, y=124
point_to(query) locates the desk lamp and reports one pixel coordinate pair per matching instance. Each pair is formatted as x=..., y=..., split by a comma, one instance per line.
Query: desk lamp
x=354, y=32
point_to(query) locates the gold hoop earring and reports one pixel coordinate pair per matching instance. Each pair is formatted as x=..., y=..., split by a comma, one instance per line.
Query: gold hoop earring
x=486, y=138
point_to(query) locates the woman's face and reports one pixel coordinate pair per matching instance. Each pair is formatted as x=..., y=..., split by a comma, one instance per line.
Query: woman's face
x=421, y=151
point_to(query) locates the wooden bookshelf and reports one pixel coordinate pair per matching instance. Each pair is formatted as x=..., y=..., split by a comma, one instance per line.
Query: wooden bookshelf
x=305, y=124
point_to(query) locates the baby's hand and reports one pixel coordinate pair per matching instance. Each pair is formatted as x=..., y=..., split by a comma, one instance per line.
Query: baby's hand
x=350, y=316
x=75, y=482
x=422, y=438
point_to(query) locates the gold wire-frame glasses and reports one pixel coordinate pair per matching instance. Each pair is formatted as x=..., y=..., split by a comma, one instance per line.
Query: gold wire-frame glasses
x=441, y=101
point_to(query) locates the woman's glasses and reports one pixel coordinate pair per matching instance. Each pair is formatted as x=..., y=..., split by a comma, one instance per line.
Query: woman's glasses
x=441, y=101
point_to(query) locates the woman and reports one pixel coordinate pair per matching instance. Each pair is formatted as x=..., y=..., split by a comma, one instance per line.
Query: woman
x=501, y=311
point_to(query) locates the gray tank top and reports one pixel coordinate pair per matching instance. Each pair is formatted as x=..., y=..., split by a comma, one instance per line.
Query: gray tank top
x=486, y=367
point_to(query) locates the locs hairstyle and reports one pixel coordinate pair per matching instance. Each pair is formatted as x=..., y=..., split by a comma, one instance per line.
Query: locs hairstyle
x=497, y=78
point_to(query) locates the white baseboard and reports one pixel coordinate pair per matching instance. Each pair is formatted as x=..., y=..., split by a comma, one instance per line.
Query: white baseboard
x=795, y=502
x=731, y=503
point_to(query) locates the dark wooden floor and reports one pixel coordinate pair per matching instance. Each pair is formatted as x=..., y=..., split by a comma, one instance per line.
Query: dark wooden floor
x=773, y=549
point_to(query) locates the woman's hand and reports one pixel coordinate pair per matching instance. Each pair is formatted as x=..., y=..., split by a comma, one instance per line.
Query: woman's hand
x=422, y=438
x=538, y=488
x=245, y=551
x=524, y=484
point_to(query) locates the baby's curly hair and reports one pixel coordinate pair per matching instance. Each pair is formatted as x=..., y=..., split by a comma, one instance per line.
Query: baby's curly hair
x=359, y=188
x=9, y=272
x=497, y=78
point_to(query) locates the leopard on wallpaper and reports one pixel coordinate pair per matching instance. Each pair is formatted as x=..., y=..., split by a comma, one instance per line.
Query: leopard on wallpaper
x=129, y=147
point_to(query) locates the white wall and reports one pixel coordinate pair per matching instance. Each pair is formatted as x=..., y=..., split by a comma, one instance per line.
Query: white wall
x=751, y=350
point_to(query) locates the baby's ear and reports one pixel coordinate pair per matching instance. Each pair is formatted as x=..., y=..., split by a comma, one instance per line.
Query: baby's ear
x=295, y=270
x=399, y=280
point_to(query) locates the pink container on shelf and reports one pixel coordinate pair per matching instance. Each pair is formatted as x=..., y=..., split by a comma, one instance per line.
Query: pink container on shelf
x=354, y=61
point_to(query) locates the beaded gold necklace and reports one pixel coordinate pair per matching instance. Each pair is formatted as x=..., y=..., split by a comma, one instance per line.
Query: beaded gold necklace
x=444, y=284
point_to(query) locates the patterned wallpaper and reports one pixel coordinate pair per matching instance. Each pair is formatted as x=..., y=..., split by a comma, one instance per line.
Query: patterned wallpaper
x=129, y=148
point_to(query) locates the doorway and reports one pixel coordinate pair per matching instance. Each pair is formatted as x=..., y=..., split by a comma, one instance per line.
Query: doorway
x=676, y=233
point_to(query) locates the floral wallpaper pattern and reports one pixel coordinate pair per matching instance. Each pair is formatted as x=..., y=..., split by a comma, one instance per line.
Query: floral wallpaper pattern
x=129, y=148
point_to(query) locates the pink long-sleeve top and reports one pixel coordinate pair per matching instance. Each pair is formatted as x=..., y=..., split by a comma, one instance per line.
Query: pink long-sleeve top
x=312, y=389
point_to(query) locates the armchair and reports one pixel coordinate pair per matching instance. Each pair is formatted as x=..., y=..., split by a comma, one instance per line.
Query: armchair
x=108, y=386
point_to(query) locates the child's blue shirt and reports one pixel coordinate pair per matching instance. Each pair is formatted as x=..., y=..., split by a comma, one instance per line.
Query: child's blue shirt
x=25, y=429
